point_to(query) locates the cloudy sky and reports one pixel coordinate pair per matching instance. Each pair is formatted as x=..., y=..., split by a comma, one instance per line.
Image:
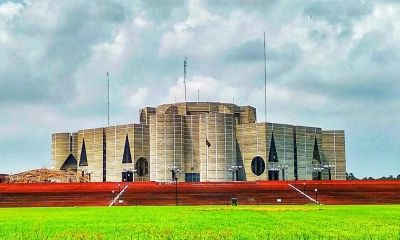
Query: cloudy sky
x=331, y=64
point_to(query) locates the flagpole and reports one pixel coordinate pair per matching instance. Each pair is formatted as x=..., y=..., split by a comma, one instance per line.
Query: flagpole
x=184, y=79
x=108, y=99
x=265, y=81
x=184, y=75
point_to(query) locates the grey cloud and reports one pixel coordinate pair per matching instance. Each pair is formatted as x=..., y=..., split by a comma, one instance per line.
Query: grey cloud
x=249, y=52
x=21, y=86
x=385, y=56
x=374, y=50
x=242, y=3
x=372, y=89
x=339, y=11
x=364, y=47
x=279, y=61
x=317, y=35
x=283, y=60
x=159, y=10
x=64, y=48
x=224, y=7
x=361, y=87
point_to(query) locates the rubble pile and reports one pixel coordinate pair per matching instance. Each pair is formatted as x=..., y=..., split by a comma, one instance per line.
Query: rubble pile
x=45, y=176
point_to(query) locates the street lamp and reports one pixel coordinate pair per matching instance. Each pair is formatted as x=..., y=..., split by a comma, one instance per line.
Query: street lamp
x=274, y=169
x=89, y=173
x=174, y=170
x=83, y=170
x=316, y=196
x=329, y=167
x=112, y=195
x=319, y=170
x=287, y=179
x=283, y=168
x=119, y=188
x=304, y=187
x=235, y=171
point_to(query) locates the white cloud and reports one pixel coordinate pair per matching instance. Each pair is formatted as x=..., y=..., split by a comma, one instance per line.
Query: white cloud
x=207, y=88
x=385, y=19
x=286, y=103
x=7, y=12
x=9, y=9
x=198, y=16
x=138, y=99
x=112, y=51
x=203, y=33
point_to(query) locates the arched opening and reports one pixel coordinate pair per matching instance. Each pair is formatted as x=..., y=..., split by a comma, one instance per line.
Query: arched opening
x=171, y=110
x=258, y=165
x=142, y=167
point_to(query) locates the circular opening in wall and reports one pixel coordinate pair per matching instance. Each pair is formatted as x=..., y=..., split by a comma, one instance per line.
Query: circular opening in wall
x=258, y=166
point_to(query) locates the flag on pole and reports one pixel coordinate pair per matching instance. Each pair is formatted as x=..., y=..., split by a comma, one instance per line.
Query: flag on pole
x=208, y=143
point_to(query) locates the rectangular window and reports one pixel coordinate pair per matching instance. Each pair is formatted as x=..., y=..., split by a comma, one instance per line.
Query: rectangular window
x=192, y=177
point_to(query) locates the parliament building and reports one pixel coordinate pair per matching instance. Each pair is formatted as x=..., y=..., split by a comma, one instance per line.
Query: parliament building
x=201, y=142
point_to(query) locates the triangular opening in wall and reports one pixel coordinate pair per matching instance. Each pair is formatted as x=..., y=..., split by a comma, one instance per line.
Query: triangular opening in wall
x=127, y=157
x=316, y=156
x=83, y=159
x=273, y=155
x=70, y=163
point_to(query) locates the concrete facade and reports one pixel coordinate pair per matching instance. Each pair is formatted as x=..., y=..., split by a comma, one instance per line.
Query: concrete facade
x=204, y=140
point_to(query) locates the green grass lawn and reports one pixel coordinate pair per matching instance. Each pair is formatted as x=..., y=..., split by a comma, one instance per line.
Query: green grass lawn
x=202, y=222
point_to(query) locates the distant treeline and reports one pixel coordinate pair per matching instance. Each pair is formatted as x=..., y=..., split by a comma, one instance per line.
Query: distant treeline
x=350, y=176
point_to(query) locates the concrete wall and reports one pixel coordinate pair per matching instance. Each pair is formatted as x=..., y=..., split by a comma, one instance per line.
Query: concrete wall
x=175, y=135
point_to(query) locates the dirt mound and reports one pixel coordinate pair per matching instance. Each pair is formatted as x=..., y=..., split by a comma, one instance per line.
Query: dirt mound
x=45, y=176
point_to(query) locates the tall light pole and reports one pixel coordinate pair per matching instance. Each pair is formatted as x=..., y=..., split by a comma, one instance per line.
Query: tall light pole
x=304, y=187
x=329, y=167
x=83, y=170
x=89, y=173
x=319, y=170
x=274, y=169
x=287, y=179
x=316, y=196
x=174, y=170
x=235, y=171
x=283, y=168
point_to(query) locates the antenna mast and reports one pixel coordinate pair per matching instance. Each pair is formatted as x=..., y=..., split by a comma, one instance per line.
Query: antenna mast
x=184, y=75
x=108, y=99
x=265, y=79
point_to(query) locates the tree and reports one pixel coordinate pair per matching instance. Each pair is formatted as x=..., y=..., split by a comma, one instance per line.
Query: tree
x=350, y=176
